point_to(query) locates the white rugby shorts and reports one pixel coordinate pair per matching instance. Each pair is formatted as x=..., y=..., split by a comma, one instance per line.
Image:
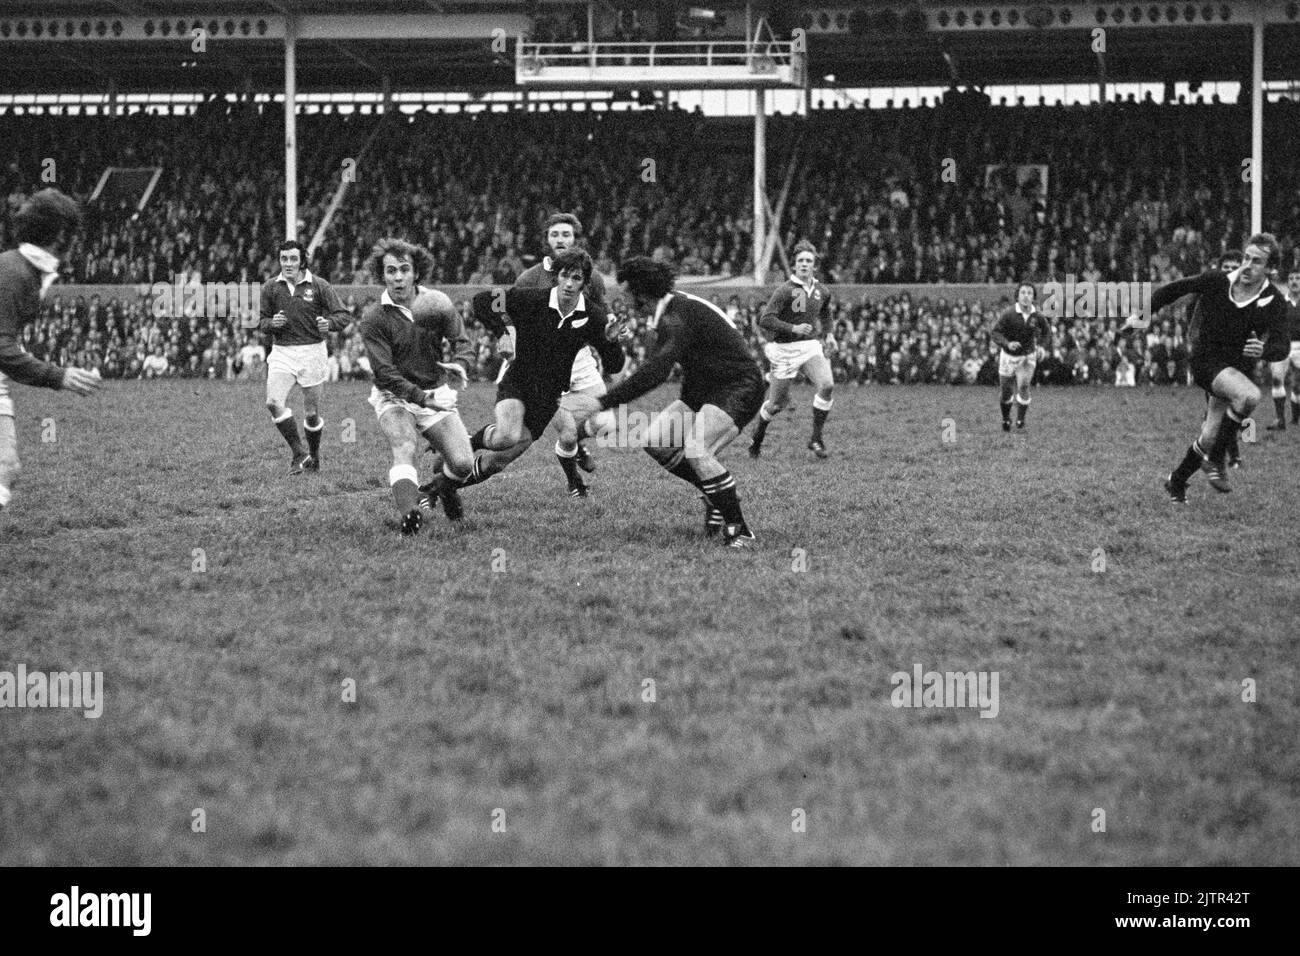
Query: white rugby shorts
x=308, y=364
x=382, y=401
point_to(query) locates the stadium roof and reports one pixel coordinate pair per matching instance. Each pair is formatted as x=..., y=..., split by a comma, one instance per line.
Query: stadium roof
x=874, y=44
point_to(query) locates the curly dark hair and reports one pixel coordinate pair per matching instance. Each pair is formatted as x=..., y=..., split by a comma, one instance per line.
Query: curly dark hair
x=574, y=258
x=562, y=217
x=645, y=276
x=421, y=259
x=46, y=217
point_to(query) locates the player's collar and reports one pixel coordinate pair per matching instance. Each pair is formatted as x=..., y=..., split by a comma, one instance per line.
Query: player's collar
x=659, y=310
x=579, y=306
x=1025, y=314
x=546, y=263
x=46, y=262
x=807, y=288
x=1232, y=280
x=306, y=277
x=386, y=299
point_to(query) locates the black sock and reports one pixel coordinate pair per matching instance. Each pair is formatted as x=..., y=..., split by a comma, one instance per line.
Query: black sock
x=475, y=475
x=1228, y=429
x=1006, y=413
x=721, y=492
x=314, y=427
x=1234, y=449
x=570, y=466
x=760, y=430
x=685, y=472
x=1023, y=409
x=1191, y=461
x=819, y=419
x=1279, y=409
x=288, y=427
x=1295, y=412
x=476, y=440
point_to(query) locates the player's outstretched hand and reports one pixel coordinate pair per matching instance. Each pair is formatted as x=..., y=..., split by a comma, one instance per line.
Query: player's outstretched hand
x=506, y=344
x=279, y=320
x=617, y=330
x=79, y=381
x=431, y=402
x=1013, y=347
x=829, y=346
x=323, y=325
x=1135, y=322
x=1254, y=347
x=456, y=376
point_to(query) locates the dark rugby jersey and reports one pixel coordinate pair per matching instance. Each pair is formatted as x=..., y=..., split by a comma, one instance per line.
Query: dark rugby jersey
x=1220, y=327
x=546, y=342
x=695, y=334
x=312, y=297
x=404, y=353
x=20, y=304
x=541, y=277
x=1293, y=320
x=1030, y=331
x=795, y=304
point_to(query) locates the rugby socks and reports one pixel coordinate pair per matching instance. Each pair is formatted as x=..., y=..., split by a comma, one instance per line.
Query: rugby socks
x=1295, y=409
x=405, y=485
x=314, y=427
x=764, y=419
x=478, y=441
x=1228, y=429
x=569, y=462
x=1190, y=463
x=1022, y=408
x=721, y=492
x=287, y=425
x=476, y=474
x=1279, y=408
x=1006, y=412
x=5, y=497
x=821, y=409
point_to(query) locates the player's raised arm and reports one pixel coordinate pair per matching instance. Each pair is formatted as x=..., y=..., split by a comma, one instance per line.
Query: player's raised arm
x=388, y=377
x=491, y=307
x=14, y=362
x=1171, y=292
x=670, y=343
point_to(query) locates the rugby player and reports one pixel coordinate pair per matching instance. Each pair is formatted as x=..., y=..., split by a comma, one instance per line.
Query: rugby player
x=549, y=328
x=1022, y=334
x=298, y=311
x=798, y=319
x=415, y=392
x=722, y=391
x=1291, y=363
x=562, y=230
x=1240, y=318
x=44, y=226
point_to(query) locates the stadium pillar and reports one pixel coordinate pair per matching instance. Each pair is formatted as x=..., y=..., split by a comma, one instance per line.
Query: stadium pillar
x=1257, y=125
x=112, y=96
x=760, y=182
x=290, y=130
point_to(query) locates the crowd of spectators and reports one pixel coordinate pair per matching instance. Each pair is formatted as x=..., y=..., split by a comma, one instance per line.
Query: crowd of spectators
x=898, y=339
x=1133, y=192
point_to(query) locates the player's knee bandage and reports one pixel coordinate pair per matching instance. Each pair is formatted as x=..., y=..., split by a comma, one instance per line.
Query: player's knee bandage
x=320, y=423
x=566, y=453
x=822, y=404
x=1279, y=390
x=5, y=496
x=403, y=473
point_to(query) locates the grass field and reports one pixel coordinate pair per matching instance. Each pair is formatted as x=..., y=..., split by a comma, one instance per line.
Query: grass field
x=503, y=665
